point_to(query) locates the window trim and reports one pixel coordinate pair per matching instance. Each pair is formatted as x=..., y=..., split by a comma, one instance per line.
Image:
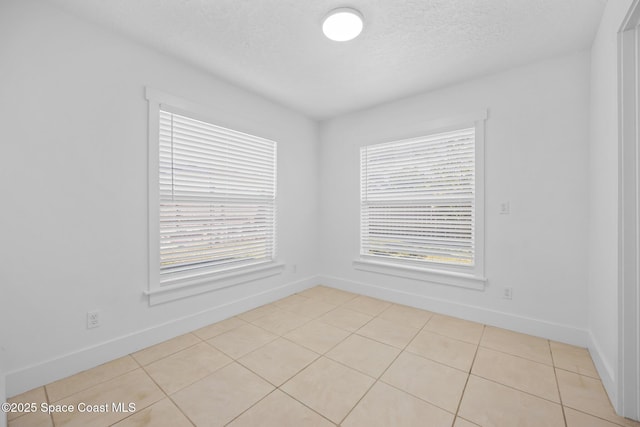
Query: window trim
x=195, y=283
x=471, y=277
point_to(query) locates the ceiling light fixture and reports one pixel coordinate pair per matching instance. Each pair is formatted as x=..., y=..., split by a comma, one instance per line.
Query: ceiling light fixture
x=342, y=24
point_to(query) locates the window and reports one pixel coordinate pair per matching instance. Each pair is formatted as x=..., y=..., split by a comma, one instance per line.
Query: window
x=213, y=199
x=419, y=204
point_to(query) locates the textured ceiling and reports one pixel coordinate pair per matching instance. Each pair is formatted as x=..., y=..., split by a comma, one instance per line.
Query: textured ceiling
x=276, y=47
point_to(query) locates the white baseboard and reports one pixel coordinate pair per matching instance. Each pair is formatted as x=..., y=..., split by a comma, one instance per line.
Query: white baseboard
x=605, y=370
x=60, y=367
x=514, y=322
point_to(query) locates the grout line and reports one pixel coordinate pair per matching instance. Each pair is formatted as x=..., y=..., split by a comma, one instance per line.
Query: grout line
x=234, y=358
x=473, y=361
x=319, y=355
x=254, y=404
x=320, y=319
x=285, y=381
x=517, y=389
x=306, y=406
x=180, y=409
x=378, y=379
x=519, y=356
x=578, y=373
x=555, y=375
x=417, y=397
x=194, y=332
x=191, y=383
x=46, y=396
x=600, y=418
x=453, y=338
x=167, y=355
x=148, y=406
x=98, y=383
x=315, y=351
x=302, y=369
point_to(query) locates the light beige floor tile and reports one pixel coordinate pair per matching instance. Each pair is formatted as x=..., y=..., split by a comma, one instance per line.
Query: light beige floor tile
x=517, y=372
x=278, y=361
x=312, y=308
x=280, y=410
x=215, y=390
x=330, y=295
x=626, y=422
x=428, y=380
x=222, y=396
x=461, y=422
x=527, y=346
x=336, y=296
x=587, y=394
x=258, y=312
x=317, y=336
x=405, y=315
x=367, y=305
x=579, y=419
x=329, y=388
x=164, y=349
x=186, y=367
x=281, y=322
x=314, y=292
x=388, y=332
x=346, y=319
x=161, y=414
x=134, y=387
x=36, y=395
x=385, y=406
x=574, y=359
x=443, y=349
x=242, y=340
x=89, y=378
x=489, y=404
x=364, y=355
x=290, y=302
x=32, y=419
x=459, y=329
x=218, y=328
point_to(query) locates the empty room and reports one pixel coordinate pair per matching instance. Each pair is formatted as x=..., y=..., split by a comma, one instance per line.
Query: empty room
x=320, y=213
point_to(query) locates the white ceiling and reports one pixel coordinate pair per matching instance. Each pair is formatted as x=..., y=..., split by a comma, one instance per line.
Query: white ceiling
x=276, y=47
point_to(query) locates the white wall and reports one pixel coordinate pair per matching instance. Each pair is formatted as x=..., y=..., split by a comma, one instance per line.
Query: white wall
x=536, y=157
x=74, y=192
x=603, y=196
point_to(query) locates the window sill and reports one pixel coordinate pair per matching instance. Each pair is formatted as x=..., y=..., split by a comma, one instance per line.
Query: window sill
x=462, y=280
x=188, y=286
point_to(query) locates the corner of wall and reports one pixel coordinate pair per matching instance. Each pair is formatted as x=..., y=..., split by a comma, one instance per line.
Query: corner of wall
x=605, y=370
x=604, y=256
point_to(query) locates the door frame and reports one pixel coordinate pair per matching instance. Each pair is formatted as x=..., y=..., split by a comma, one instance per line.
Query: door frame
x=628, y=404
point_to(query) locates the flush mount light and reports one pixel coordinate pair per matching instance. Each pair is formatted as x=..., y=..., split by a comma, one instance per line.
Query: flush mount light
x=342, y=24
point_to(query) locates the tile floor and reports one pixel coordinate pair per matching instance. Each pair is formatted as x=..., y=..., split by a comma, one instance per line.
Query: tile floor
x=325, y=357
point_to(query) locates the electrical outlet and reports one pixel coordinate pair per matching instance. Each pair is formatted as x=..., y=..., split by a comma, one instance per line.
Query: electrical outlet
x=507, y=293
x=93, y=319
x=504, y=208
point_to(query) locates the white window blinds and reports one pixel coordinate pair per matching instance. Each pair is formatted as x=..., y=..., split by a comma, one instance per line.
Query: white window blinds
x=418, y=197
x=217, y=197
